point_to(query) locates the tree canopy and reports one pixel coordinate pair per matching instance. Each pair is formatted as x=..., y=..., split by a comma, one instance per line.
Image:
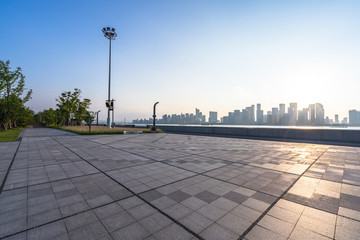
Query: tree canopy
x=13, y=113
x=71, y=110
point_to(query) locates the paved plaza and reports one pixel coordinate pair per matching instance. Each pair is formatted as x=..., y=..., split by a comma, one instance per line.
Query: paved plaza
x=57, y=185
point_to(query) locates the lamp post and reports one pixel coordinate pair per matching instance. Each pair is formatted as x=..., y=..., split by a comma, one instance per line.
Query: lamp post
x=154, y=116
x=97, y=118
x=110, y=34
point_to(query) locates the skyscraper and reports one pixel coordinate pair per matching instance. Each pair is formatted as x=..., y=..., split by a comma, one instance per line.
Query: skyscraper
x=281, y=109
x=293, y=113
x=213, y=118
x=303, y=117
x=275, y=115
x=354, y=117
x=319, y=113
x=259, y=114
x=312, y=113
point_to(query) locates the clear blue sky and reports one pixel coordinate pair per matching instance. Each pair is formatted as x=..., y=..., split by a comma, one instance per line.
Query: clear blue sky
x=213, y=55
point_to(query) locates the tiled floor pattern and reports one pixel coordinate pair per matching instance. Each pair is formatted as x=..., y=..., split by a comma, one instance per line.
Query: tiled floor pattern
x=7, y=151
x=167, y=186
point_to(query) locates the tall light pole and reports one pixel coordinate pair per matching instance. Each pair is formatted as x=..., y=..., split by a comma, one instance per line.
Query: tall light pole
x=110, y=34
x=97, y=118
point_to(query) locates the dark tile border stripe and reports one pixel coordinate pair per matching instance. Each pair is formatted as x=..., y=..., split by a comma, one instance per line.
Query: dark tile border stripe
x=9, y=168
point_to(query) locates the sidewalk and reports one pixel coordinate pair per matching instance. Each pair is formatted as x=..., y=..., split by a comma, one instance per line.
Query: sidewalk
x=167, y=186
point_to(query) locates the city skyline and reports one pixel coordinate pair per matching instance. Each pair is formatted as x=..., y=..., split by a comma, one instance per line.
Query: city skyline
x=313, y=115
x=216, y=55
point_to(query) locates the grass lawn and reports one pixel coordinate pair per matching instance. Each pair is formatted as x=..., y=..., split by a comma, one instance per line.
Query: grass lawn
x=9, y=135
x=96, y=130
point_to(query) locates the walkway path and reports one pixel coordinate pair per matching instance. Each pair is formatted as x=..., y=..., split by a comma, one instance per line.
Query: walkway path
x=167, y=186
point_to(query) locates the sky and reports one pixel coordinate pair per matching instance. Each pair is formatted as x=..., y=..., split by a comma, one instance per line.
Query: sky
x=186, y=54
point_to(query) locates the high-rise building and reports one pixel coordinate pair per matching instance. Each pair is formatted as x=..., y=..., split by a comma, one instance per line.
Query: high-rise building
x=303, y=116
x=259, y=114
x=275, y=115
x=281, y=109
x=197, y=112
x=354, y=117
x=337, y=118
x=251, y=114
x=312, y=115
x=213, y=117
x=293, y=113
x=319, y=113
x=237, y=117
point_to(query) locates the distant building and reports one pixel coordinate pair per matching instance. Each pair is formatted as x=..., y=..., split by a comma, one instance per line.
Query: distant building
x=354, y=117
x=259, y=114
x=275, y=115
x=312, y=115
x=303, y=116
x=282, y=109
x=213, y=117
x=293, y=113
x=319, y=113
x=337, y=118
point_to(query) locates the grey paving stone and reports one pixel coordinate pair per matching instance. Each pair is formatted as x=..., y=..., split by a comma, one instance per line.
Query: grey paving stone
x=80, y=220
x=262, y=233
x=155, y=222
x=349, y=201
x=224, y=204
x=141, y=211
x=235, y=197
x=178, y=196
x=194, y=203
x=13, y=206
x=74, y=208
x=47, y=231
x=12, y=227
x=206, y=196
x=130, y=202
x=19, y=236
x=234, y=223
x=151, y=195
x=13, y=215
x=196, y=222
x=117, y=221
x=43, y=217
x=133, y=231
x=70, y=200
x=264, y=197
x=178, y=211
x=216, y=231
x=108, y=210
x=173, y=232
x=91, y=231
x=99, y=200
x=212, y=212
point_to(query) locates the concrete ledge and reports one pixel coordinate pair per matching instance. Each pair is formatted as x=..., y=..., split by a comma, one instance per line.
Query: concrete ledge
x=327, y=135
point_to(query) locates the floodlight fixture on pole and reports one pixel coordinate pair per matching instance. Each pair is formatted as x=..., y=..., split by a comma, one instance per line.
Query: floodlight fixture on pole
x=110, y=34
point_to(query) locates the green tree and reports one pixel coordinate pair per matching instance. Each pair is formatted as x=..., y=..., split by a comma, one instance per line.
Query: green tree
x=87, y=119
x=12, y=87
x=72, y=109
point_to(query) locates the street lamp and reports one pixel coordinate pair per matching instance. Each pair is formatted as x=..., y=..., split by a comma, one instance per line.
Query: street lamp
x=97, y=118
x=154, y=116
x=110, y=34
